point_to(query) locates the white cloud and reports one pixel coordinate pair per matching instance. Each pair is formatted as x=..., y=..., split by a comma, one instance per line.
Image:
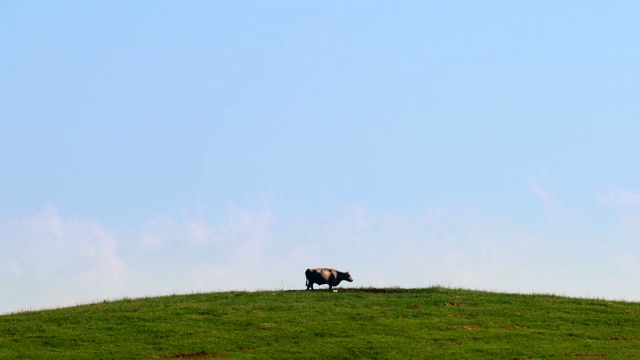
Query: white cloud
x=555, y=212
x=177, y=254
x=618, y=196
x=249, y=231
x=166, y=231
x=50, y=261
x=437, y=247
x=624, y=206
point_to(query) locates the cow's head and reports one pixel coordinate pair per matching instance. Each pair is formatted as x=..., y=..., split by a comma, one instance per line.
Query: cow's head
x=348, y=277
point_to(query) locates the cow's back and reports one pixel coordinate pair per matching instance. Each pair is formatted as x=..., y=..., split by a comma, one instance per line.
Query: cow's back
x=320, y=276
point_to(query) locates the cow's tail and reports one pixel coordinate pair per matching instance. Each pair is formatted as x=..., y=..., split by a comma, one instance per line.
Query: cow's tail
x=306, y=275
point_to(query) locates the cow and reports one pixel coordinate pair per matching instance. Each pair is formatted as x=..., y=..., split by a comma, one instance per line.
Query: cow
x=322, y=276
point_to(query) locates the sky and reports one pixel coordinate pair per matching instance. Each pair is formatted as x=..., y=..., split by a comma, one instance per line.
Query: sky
x=160, y=147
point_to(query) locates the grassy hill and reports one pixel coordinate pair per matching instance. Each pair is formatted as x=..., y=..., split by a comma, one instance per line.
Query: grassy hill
x=350, y=324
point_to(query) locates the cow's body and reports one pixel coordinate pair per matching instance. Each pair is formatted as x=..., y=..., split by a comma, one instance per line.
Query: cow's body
x=323, y=276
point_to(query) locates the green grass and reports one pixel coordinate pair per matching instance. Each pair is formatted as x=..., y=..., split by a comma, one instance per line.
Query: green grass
x=428, y=323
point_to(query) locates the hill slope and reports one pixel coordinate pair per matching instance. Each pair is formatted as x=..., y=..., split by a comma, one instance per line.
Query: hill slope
x=353, y=323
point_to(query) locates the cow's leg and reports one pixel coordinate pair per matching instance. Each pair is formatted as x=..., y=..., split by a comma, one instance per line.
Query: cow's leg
x=330, y=287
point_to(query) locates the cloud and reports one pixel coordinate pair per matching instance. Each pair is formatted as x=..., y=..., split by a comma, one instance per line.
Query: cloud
x=165, y=231
x=177, y=254
x=619, y=197
x=50, y=261
x=458, y=247
x=249, y=230
x=554, y=211
x=624, y=206
x=464, y=247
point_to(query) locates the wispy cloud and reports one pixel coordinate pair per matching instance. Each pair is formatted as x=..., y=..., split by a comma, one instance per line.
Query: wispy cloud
x=184, y=253
x=625, y=205
x=554, y=211
x=458, y=247
x=618, y=197
x=51, y=260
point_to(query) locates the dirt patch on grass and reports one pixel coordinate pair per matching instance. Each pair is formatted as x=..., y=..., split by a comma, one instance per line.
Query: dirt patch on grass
x=625, y=339
x=594, y=355
x=455, y=303
x=463, y=328
x=513, y=327
x=201, y=354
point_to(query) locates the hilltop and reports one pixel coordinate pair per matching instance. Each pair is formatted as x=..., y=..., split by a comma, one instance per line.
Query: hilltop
x=352, y=323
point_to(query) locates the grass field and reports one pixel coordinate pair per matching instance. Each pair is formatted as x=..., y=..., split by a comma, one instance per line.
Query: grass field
x=436, y=323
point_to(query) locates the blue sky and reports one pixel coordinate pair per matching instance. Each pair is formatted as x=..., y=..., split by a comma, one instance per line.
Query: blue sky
x=155, y=147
